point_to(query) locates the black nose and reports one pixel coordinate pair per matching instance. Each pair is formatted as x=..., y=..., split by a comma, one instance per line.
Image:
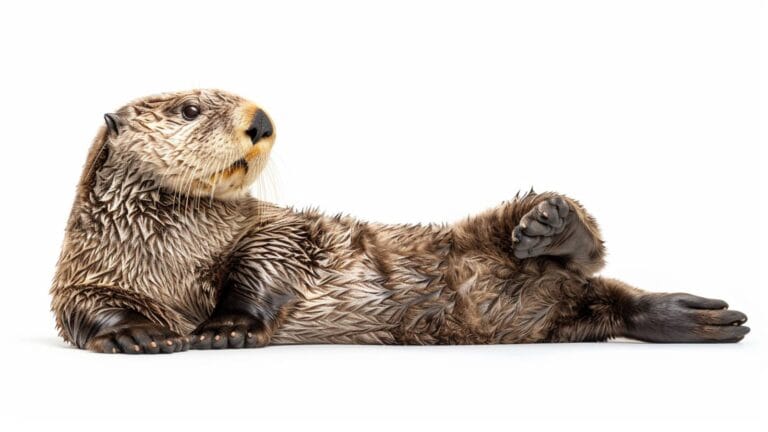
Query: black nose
x=260, y=127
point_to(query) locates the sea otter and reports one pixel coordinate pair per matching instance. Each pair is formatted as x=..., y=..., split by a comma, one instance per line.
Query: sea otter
x=165, y=250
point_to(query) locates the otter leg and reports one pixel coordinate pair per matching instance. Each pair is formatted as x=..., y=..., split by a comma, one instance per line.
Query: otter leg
x=244, y=317
x=559, y=227
x=112, y=320
x=605, y=308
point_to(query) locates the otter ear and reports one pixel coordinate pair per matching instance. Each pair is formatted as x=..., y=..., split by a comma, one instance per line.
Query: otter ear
x=113, y=122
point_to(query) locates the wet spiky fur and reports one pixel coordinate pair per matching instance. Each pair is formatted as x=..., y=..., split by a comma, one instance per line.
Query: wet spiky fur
x=160, y=236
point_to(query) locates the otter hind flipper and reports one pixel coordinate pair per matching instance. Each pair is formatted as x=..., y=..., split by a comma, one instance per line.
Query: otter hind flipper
x=680, y=317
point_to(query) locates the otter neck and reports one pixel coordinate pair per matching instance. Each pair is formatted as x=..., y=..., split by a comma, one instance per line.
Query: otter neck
x=121, y=185
x=125, y=202
x=122, y=182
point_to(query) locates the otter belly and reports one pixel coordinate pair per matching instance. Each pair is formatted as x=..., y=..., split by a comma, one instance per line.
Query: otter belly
x=360, y=306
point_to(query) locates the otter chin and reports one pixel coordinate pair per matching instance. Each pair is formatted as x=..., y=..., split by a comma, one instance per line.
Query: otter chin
x=148, y=266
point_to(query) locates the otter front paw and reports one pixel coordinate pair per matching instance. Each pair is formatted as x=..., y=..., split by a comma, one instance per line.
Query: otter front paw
x=539, y=228
x=230, y=331
x=138, y=339
x=684, y=318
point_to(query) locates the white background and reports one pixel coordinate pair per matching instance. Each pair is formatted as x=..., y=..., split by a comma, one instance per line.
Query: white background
x=647, y=112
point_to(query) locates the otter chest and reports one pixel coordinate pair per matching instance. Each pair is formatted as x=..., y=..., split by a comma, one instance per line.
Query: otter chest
x=173, y=256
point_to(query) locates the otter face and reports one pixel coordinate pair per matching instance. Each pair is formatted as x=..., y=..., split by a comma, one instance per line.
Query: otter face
x=197, y=143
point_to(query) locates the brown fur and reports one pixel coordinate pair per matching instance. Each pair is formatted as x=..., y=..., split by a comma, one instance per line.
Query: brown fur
x=163, y=252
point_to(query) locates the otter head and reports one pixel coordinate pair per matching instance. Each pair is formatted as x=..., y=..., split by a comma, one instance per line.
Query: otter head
x=198, y=143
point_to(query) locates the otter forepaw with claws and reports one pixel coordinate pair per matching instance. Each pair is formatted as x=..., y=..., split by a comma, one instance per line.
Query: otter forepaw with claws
x=230, y=331
x=137, y=339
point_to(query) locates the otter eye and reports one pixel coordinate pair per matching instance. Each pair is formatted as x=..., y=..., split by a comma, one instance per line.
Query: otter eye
x=190, y=112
